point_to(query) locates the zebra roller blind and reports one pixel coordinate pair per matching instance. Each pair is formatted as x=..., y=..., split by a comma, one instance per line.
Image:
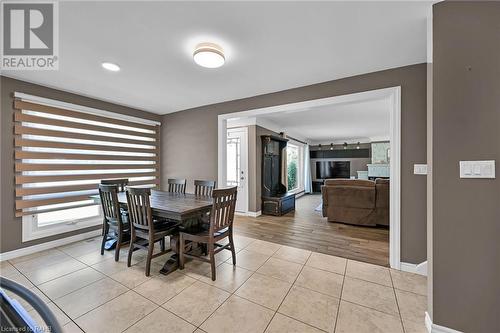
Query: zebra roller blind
x=62, y=154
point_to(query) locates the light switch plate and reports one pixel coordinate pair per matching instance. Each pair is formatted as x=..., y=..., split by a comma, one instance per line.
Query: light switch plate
x=477, y=169
x=420, y=169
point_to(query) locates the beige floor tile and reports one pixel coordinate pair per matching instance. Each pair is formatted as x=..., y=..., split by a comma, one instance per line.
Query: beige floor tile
x=280, y=269
x=223, y=256
x=263, y=247
x=321, y=281
x=160, y=320
x=160, y=289
x=154, y=270
x=369, y=272
x=50, y=272
x=326, y=262
x=264, y=290
x=131, y=277
x=228, y=277
x=71, y=327
x=409, y=282
x=411, y=306
x=22, y=280
x=355, y=318
x=284, y=324
x=196, y=269
x=31, y=256
x=110, y=266
x=47, y=258
x=7, y=269
x=60, y=316
x=414, y=327
x=87, y=298
x=241, y=242
x=311, y=307
x=27, y=306
x=292, y=254
x=116, y=315
x=68, y=283
x=372, y=295
x=95, y=257
x=238, y=315
x=249, y=259
x=197, y=302
x=81, y=248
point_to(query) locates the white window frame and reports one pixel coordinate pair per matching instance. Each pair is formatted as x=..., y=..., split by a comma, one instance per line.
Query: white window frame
x=300, y=168
x=32, y=231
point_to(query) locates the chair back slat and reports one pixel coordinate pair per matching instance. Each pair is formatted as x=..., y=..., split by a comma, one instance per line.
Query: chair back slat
x=121, y=183
x=139, y=207
x=204, y=187
x=109, y=203
x=177, y=186
x=222, y=213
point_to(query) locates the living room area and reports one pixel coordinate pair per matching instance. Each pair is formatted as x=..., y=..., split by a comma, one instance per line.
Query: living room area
x=316, y=176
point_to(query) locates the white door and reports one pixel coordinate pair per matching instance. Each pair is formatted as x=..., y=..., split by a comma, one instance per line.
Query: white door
x=237, y=165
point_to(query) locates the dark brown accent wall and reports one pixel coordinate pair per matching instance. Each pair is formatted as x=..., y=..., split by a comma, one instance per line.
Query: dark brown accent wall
x=190, y=139
x=466, y=126
x=11, y=226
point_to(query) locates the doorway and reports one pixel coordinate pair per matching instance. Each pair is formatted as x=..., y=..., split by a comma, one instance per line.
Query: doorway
x=393, y=94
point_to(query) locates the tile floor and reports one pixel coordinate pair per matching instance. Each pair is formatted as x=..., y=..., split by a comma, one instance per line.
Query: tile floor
x=273, y=288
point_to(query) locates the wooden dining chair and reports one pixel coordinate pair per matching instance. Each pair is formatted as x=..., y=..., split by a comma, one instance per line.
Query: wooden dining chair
x=176, y=185
x=121, y=183
x=146, y=231
x=112, y=218
x=204, y=187
x=220, y=227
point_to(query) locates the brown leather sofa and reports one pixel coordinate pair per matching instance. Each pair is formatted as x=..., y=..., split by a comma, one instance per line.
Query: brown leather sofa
x=356, y=201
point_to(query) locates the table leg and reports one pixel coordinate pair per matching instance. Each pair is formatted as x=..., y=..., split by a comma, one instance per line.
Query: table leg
x=173, y=262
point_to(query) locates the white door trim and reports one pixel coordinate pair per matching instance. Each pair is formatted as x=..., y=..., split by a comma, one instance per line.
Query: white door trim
x=394, y=94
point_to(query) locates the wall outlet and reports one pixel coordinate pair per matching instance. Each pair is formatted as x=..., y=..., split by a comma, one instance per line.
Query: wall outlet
x=477, y=169
x=420, y=169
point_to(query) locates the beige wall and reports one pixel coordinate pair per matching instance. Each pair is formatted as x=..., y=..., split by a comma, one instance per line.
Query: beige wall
x=190, y=139
x=466, y=126
x=11, y=226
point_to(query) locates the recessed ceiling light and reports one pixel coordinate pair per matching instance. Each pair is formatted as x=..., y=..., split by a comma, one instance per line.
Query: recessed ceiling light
x=209, y=55
x=110, y=66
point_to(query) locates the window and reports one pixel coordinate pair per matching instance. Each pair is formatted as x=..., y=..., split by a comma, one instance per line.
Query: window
x=62, y=154
x=233, y=161
x=295, y=167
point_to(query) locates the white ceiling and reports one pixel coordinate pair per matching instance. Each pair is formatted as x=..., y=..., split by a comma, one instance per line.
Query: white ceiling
x=364, y=121
x=270, y=46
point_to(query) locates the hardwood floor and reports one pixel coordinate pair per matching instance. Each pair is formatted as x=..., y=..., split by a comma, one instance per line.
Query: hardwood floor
x=307, y=229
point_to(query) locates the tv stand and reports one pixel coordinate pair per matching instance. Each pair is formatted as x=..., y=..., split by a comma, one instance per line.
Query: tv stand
x=316, y=185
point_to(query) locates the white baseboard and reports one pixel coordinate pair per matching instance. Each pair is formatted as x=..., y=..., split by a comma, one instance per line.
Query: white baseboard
x=415, y=268
x=47, y=245
x=433, y=328
x=255, y=214
x=251, y=214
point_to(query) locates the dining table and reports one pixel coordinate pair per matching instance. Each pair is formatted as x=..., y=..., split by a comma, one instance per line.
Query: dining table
x=181, y=207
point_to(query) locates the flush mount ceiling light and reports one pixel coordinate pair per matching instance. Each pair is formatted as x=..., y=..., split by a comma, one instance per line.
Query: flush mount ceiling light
x=209, y=55
x=110, y=66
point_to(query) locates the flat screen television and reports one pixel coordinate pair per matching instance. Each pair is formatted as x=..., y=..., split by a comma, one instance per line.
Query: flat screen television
x=333, y=169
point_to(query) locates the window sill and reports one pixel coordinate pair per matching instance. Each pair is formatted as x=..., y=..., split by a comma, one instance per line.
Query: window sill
x=31, y=231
